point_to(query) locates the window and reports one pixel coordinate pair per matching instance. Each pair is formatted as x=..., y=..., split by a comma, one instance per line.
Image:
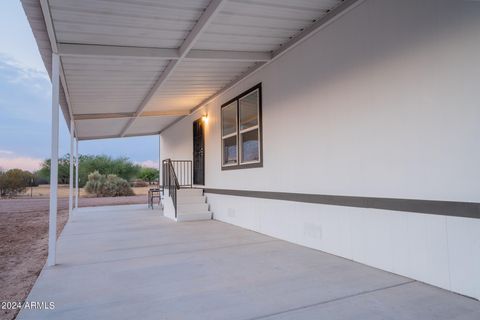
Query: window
x=241, y=130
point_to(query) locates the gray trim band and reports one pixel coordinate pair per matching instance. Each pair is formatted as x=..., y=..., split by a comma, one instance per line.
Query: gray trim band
x=445, y=208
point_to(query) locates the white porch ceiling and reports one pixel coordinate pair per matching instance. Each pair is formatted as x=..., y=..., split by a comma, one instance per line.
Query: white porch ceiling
x=133, y=67
x=109, y=85
x=194, y=81
x=150, y=124
x=100, y=128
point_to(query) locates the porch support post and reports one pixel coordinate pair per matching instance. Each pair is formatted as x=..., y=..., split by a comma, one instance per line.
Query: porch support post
x=70, y=175
x=76, y=173
x=52, y=223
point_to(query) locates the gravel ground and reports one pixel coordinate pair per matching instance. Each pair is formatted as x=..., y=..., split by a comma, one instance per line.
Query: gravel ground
x=23, y=241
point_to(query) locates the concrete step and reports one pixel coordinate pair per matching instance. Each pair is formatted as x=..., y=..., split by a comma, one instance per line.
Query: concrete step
x=194, y=216
x=190, y=192
x=187, y=208
x=192, y=205
x=190, y=199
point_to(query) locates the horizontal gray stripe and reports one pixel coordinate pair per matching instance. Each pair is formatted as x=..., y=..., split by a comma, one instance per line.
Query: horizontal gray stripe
x=446, y=208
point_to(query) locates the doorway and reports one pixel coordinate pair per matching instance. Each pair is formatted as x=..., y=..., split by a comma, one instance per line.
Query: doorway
x=198, y=152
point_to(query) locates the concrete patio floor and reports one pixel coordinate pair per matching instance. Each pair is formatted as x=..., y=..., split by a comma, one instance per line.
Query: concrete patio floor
x=129, y=262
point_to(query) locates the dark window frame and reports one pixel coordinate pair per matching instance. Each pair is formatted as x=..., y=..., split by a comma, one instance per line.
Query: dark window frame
x=239, y=165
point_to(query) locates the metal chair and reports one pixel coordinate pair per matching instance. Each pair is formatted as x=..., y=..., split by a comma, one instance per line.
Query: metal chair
x=153, y=193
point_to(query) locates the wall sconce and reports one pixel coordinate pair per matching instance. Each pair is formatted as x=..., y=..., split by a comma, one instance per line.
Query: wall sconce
x=205, y=118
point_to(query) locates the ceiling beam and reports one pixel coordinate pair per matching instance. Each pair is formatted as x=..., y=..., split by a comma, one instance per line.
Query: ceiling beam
x=226, y=55
x=49, y=24
x=115, y=136
x=170, y=113
x=210, y=12
x=99, y=116
x=104, y=116
x=92, y=50
x=207, y=16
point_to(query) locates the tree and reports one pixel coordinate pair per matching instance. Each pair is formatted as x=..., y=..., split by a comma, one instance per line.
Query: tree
x=14, y=181
x=148, y=174
x=105, y=165
x=121, y=167
x=63, y=170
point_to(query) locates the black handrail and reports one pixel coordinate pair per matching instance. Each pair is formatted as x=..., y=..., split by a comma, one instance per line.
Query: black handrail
x=170, y=181
x=171, y=169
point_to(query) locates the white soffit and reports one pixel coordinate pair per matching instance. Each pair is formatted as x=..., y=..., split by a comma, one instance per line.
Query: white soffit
x=122, y=58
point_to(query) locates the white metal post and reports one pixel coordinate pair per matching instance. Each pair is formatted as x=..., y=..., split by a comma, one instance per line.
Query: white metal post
x=70, y=194
x=76, y=174
x=52, y=224
x=160, y=177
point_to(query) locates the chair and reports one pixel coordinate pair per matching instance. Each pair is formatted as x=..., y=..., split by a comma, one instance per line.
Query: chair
x=153, y=193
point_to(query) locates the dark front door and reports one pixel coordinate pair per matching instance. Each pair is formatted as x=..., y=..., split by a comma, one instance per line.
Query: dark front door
x=198, y=153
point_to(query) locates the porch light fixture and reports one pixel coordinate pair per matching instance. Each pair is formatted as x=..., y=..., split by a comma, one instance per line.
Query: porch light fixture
x=205, y=118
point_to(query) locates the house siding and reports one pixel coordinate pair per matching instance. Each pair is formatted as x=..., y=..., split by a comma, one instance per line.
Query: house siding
x=381, y=103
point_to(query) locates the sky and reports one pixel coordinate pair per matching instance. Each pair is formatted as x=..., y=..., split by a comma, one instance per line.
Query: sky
x=25, y=104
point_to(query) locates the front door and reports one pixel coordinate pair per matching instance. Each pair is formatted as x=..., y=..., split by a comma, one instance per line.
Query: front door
x=198, y=153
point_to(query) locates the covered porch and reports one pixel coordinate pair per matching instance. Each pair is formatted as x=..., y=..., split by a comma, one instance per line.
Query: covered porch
x=367, y=117
x=129, y=262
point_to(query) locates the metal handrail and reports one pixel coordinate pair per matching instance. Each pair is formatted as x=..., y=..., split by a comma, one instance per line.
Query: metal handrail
x=170, y=168
x=170, y=181
x=184, y=172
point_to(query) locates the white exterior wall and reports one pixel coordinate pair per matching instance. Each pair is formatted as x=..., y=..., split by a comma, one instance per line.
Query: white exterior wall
x=384, y=102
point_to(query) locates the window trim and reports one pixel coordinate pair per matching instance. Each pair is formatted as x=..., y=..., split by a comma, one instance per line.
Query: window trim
x=230, y=135
x=226, y=165
x=248, y=164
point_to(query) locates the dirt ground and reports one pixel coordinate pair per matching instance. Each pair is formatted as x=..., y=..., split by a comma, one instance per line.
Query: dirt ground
x=24, y=239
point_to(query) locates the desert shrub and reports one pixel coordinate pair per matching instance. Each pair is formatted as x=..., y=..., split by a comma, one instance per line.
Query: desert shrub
x=115, y=186
x=95, y=183
x=14, y=181
x=107, y=185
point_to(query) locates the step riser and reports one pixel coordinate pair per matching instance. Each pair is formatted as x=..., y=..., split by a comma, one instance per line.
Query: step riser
x=190, y=213
x=192, y=205
x=182, y=199
x=190, y=192
x=192, y=208
x=194, y=217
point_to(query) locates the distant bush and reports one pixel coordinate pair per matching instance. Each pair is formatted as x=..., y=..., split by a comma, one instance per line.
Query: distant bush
x=14, y=181
x=149, y=175
x=138, y=183
x=107, y=185
x=40, y=180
